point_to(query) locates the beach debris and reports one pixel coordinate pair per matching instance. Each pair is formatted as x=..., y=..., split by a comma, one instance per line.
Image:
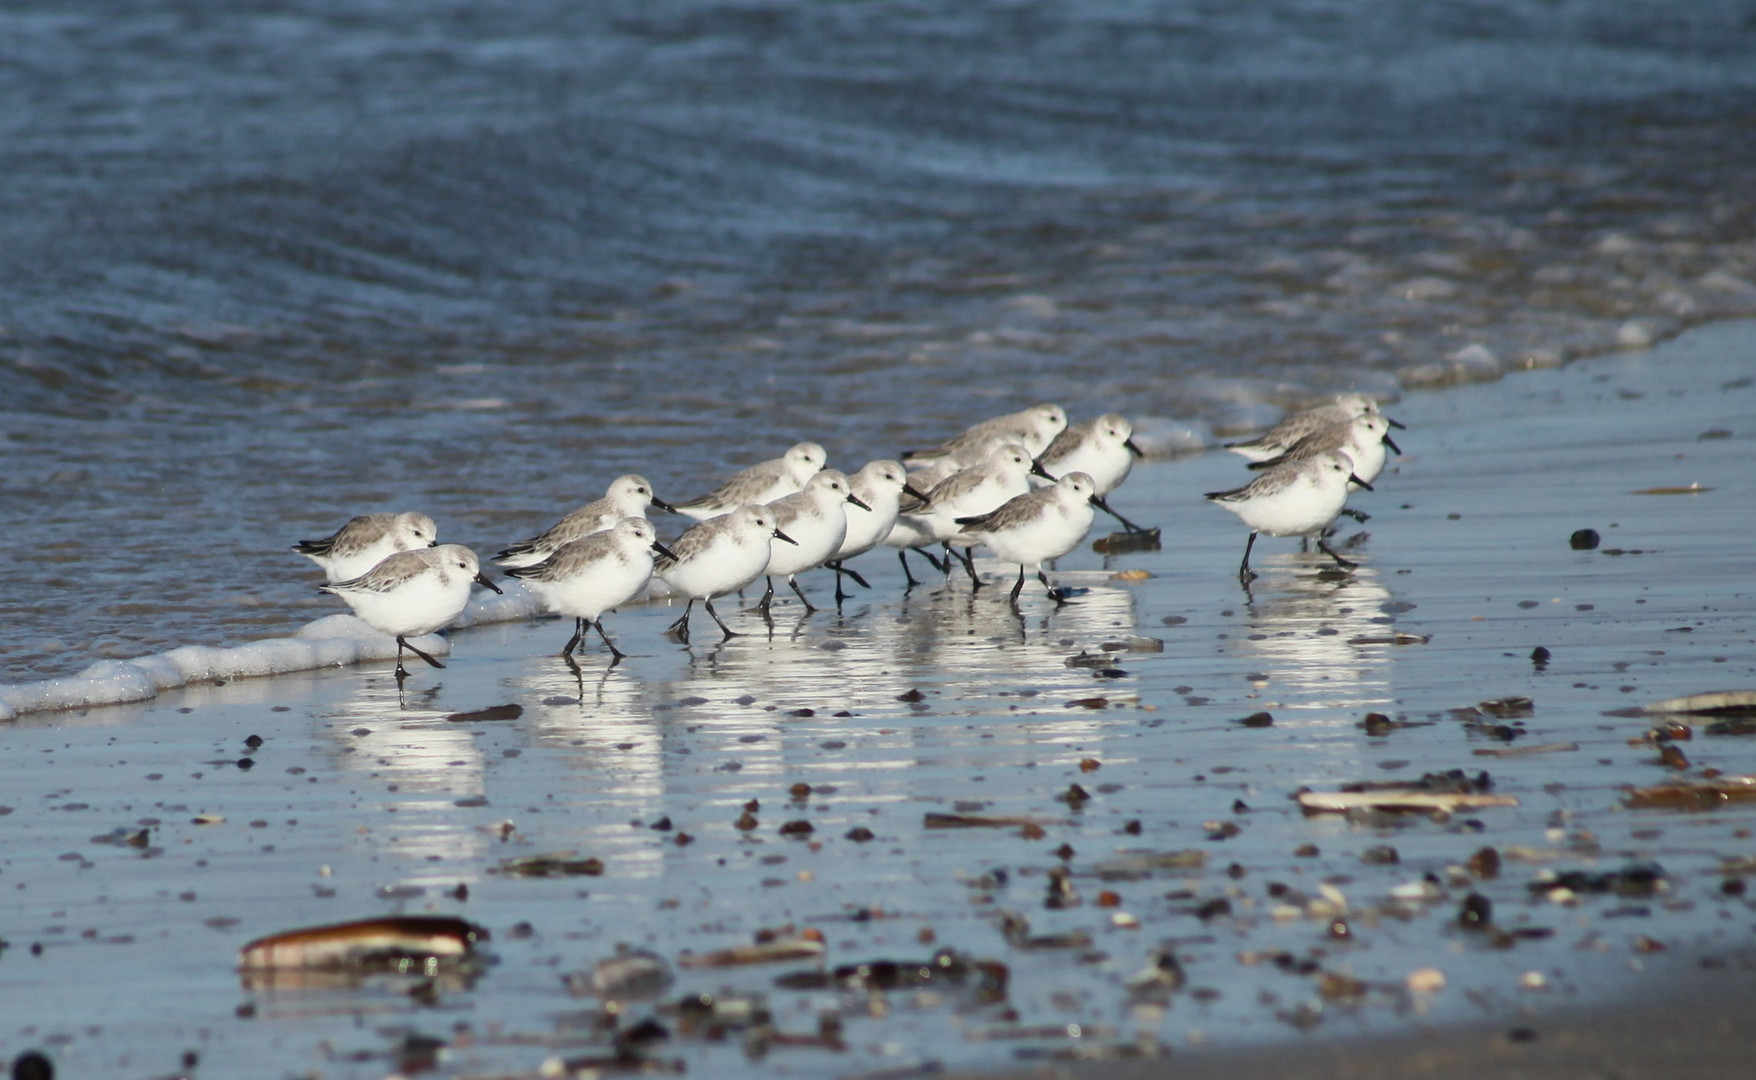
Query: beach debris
x=1257, y=720
x=1162, y=976
x=1692, y=794
x=400, y=943
x=1584, y=540
x=1398, y=638
x=1540, y=657
x=1736, y=725
x=934, y=820
x=551, y=864
x=1436, y=791
x=715, y=1016
x=1135, y=866
x=946, y=968
x=1118, y=542
x=1477, y=912
x=1636, y=879
x=1427, y=980
x=1508, y=708
x=1691, y=489
x=1711, y=703
x=629, y=975
x=1526, y=751
x=496, y=712
x=770, y=947
x=1015, y=928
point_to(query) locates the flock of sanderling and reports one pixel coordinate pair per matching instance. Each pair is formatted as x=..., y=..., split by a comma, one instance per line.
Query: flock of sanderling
x=1025, y=485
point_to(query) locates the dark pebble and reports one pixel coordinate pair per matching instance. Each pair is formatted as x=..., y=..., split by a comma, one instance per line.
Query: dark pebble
x=1257, y=720
x=1584, y=540
x=1477, y=912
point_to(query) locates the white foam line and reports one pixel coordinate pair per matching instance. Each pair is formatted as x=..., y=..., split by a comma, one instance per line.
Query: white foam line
x=332, y=641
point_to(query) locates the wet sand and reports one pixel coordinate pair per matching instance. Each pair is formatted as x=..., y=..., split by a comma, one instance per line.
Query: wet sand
x=358, y=802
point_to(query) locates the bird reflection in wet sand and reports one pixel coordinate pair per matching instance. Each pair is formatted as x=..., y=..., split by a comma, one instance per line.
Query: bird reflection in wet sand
x=596, y=573
x=1303, y=631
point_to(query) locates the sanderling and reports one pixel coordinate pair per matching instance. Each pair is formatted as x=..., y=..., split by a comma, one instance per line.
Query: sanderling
x=596, y=573
x=365, y=540
x=1033, y=428
x=1040, y=525
x=1363, y=439
x=765, y=482
x=880, y=486
x=971, y=492
x=628, y=496
x=1283, y=435
x=715, y=557
x=815, y=520
x=412, y=593
x=1299, y=498
x=1102, y=449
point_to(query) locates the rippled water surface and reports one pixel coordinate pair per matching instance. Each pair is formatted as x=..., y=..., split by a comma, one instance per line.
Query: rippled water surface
x=265, y=266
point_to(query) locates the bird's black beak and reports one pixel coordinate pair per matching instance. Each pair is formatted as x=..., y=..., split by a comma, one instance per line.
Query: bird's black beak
x=1397, y=426
x=1356, y=480
x=663, y=505
x=482, y=579
x=1388, y=441
x=665, y=551
x=856, y=500
x=1133, y=447
x=1036, y=469
x=913, y=492
x=778, y=535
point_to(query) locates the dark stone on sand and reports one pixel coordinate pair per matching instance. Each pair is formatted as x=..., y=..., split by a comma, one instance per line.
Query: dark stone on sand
x=1257, y=720
x=496, y=712
x=1584, y=540
x=1477, y=912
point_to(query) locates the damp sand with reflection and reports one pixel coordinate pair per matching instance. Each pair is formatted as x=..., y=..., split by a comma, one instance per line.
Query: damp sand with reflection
x=360, y=802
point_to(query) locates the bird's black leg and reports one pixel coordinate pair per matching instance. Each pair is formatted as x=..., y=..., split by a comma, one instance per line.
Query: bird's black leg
x=969, y=564
x=573, y=642
x=1019, y=587
x=680, y=628
x=401, y=644
x=1098, y=501
x=767, y=597
x=1245, y=574
x=1339, y=561
x=728, y=631
x=616, y=653
x=801, y=592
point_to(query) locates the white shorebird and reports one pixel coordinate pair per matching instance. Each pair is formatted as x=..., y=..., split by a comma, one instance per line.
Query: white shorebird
x=764, y=482
x=971, y=492
x=1364, y=439
x=716, y=557
x=1038, y=526
x=628, y=496
x=1283, y=435
x=814, y=519
x=1033, y=428
x=879, y=486
x=412, y=593
x=596, y=573
x=365, y=540
x=1298, y=498
x=1102, y=448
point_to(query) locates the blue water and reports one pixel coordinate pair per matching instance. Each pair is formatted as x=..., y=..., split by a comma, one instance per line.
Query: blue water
x=266, y=265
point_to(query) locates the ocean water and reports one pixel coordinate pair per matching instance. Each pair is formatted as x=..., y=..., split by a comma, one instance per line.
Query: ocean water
x=265, y=265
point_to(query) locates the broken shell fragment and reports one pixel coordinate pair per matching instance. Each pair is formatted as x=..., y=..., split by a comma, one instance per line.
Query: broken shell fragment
x=807, y=945
x=631, y=974
x=1319, y=802
x=1712, y=703
x=398, y=943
